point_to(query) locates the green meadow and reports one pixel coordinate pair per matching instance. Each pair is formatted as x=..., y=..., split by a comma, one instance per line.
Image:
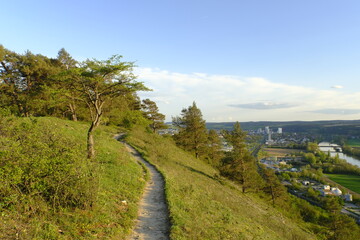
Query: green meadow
x=353, y=142
x=351, y=182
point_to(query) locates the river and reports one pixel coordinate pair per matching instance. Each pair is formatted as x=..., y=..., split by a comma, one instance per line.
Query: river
x=333, y=153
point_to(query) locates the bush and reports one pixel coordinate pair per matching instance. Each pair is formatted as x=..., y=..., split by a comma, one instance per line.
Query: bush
x=39, y=163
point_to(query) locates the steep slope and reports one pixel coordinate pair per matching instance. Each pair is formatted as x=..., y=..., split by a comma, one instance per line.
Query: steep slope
x=204, y=206
x=49, y=190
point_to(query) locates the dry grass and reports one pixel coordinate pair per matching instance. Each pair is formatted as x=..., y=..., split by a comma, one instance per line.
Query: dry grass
x=281, y=152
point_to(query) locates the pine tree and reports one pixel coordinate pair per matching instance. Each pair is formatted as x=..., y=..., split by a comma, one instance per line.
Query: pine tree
x=214, y=152
x=241, y=166
x=151, y=112
x=193, y=134
x=273, y=186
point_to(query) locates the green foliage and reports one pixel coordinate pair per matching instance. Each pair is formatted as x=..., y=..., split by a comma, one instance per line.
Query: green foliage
x=37, y=161
x=273, y=187
x=48, y=190
x=151, y=112
x=240, y=166
x=310, y=157
x=343, y=227
x=214, y=151
x=134, y=118
x=192, y=134
x=312, y=147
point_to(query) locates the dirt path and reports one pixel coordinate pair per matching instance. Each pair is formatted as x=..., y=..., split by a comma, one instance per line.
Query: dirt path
x=153, y=219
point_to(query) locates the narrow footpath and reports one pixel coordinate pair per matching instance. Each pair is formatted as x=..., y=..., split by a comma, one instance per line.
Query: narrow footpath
x=153, y=220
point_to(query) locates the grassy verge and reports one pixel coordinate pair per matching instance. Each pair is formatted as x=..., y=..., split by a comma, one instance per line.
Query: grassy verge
x=349, y=181
x=104, y=193
x=203, y=205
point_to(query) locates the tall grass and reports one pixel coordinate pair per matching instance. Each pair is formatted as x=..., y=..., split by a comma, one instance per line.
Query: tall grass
x=203, y=205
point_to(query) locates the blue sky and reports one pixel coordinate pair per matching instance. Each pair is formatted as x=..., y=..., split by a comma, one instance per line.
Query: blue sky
x=239, y=60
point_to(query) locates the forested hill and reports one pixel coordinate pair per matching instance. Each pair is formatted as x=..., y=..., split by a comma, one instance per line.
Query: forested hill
x=329, y=127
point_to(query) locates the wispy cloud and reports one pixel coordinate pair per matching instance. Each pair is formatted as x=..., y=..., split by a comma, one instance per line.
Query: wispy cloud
x=337, y=86
x=221, y=97
x=262, y=105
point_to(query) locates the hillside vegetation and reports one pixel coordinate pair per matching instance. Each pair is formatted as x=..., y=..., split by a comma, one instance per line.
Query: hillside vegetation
x=49, y=190
x=203, y=205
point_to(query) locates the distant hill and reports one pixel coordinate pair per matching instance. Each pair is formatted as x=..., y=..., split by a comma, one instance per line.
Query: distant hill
x=341, y=127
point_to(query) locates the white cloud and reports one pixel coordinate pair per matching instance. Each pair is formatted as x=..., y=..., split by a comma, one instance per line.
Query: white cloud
x=337, y=86
x=225, y=97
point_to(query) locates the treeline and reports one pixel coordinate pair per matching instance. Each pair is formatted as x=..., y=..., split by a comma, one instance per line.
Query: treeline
x=238, y=164
x=92, y=90
x=328, y=164
x=351, y=151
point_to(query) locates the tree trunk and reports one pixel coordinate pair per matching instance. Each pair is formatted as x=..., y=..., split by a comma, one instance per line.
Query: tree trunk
x=90, y=142
x=94, y=124
x=72, y=108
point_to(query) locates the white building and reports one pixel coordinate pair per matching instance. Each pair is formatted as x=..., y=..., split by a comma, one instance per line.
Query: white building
x=267, y=129
x=279, y=130
x=336, y=191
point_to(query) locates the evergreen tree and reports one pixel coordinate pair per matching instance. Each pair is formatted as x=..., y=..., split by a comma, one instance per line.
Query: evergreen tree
x=151, y=112
x=240, y=166
x=192, y=135
x=214, y=152
x=273, y=186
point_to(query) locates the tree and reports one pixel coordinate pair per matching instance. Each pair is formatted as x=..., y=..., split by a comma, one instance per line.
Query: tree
x=193, y=133
x=98, y=82
x=273, y=186
x=23, y=79
x=312, y=147
x=310, y=157
x=151, y=112
x=240, y=166
x=343, y=227
x=214, y=152
x=65, y=91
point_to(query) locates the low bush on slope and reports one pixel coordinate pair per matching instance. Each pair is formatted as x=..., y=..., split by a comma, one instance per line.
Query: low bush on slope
x=49, y=190
x=205, y=206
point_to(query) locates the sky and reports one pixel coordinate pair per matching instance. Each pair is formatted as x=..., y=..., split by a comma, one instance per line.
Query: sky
x=239, y=60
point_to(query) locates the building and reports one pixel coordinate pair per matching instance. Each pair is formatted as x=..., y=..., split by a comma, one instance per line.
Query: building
x=267, y=129
x=336, y=191
x=330, y=191
x=348, y=197
x=279, y=131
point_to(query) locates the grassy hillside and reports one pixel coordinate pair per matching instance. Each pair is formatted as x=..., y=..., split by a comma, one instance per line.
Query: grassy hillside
x=49, y=190
x=204, y=206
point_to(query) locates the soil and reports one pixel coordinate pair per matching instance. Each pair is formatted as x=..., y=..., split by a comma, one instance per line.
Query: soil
x=153, y=218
